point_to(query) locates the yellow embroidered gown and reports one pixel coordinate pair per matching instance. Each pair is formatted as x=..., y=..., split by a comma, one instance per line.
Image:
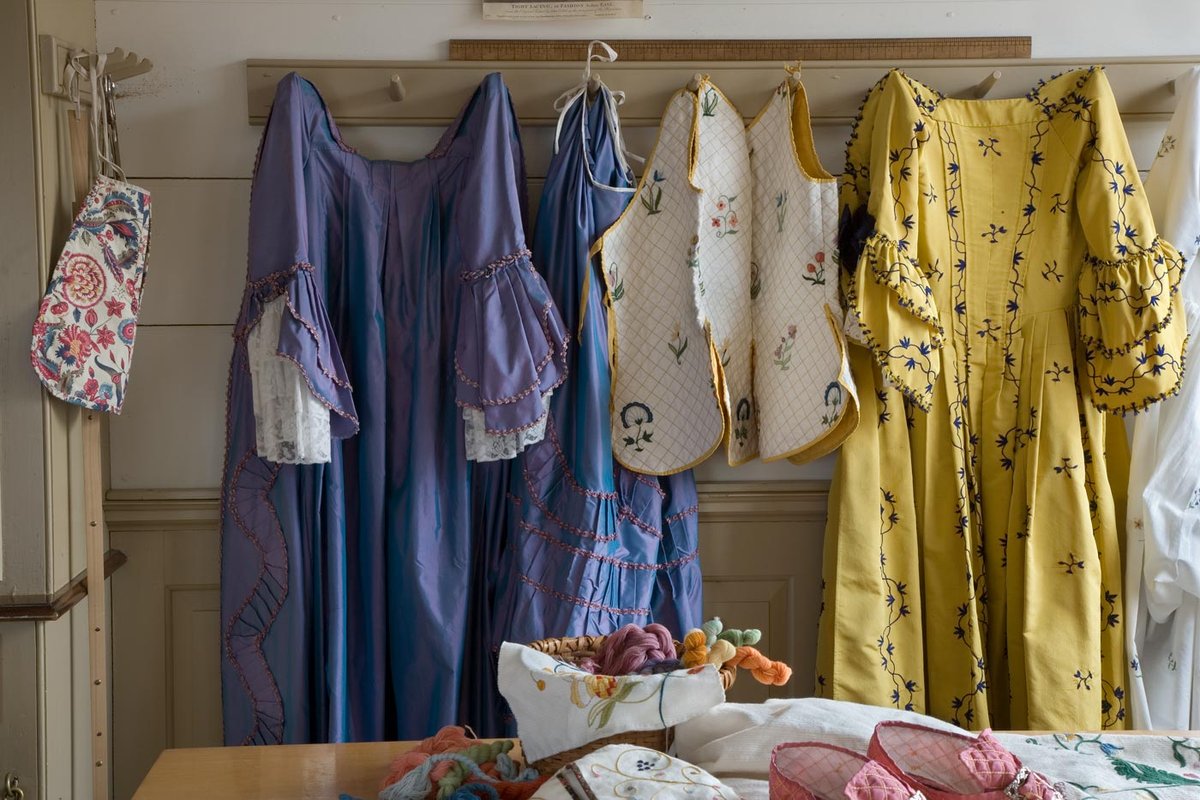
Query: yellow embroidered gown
x=1006, y=290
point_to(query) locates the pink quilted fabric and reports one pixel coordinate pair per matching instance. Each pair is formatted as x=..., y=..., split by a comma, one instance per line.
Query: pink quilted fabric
x=998, y=769
x=947, y=765
x=812, y=771
x=874, y=782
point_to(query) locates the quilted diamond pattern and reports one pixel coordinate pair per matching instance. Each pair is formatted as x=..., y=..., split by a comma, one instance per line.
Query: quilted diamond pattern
x=815, y=771
x=873, y=782
x=723, y=283
x=801, y=376
x=665, y=412
x=723, y=277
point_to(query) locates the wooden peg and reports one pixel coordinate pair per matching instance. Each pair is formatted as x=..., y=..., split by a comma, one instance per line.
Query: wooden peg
x=122, y=65
x=984, y=86
x=793, y=71
x=694, y=83
x=396, y=89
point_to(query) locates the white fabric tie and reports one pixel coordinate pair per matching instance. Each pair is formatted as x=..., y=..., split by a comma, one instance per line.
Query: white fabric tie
x=612, y=99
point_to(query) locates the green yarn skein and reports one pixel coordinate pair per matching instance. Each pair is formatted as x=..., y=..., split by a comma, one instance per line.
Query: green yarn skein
x=739, y=638
x=459, y=772
x=712, y=629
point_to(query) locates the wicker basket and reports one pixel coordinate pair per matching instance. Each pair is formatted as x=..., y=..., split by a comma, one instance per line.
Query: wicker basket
x=573, y=649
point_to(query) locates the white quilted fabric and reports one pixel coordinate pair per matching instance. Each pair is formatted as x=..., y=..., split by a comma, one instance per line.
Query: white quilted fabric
x=802, y=382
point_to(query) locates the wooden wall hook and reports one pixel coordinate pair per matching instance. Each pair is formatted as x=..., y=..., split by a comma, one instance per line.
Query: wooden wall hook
x=396, y=89
x=982, y=89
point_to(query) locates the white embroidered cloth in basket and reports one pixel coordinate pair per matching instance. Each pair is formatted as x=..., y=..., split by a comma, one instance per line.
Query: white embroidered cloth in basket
x=625, y=770
x=559, y=706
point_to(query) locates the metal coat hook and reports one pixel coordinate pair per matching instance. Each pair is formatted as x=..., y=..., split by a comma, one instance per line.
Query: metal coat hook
x=982, y=89
x=396, y=89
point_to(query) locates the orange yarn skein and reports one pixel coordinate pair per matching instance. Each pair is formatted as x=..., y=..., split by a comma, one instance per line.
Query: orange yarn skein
x=764, y=670
x=695, y=649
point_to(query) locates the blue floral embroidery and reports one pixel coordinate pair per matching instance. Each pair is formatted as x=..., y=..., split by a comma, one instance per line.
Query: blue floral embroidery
x=895, y=592
x=989, y=146
x=637, y=415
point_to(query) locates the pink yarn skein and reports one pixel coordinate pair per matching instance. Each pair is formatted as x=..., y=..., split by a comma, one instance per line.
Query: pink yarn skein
x=631, y=648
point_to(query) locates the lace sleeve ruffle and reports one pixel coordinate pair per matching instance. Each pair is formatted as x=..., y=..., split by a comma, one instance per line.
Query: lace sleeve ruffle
x=511, y=353
x=300, y=389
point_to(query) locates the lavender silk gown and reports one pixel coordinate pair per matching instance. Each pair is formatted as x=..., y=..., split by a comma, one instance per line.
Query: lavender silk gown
x=345, y=586
x=589, y=545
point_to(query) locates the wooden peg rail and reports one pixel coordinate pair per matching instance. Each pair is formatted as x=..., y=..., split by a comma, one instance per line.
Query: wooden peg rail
x=923, y=49
x=55, y=54
x=360, y=92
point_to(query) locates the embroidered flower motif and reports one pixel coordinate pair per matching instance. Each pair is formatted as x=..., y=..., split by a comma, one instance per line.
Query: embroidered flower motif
x=834, y=397
x=742, y=414
x=994, y=233
x=83, y=280
x=1071, y=563
x=114, y=306
x=616, y=286
x=678, y=345
x=725, y=220
x=601, y=686
x=783, y=350
x=755, y=280
x=105, y=338
x=708, y=104
x=75, y=345
x=989, y=146
x=637, y=415
x=126, y=330
x=651, y=197
x=781, y=200
x=815, y=270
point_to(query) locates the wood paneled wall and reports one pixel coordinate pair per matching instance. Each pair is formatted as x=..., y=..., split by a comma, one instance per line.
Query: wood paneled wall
x=760, y=548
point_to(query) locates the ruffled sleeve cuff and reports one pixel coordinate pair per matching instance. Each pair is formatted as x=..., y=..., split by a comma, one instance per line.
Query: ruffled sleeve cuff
x=896, y=317
x=1133, y=327
x=301, y=392
x=511, y=353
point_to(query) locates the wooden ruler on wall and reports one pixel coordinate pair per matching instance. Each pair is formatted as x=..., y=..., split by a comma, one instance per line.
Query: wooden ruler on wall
x=933, y=49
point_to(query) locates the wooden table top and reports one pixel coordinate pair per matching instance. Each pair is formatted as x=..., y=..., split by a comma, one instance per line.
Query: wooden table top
x=298, y=771
x=284, y=772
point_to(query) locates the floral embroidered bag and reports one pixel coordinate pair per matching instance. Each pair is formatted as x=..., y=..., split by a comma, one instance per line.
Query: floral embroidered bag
x=83, y=334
